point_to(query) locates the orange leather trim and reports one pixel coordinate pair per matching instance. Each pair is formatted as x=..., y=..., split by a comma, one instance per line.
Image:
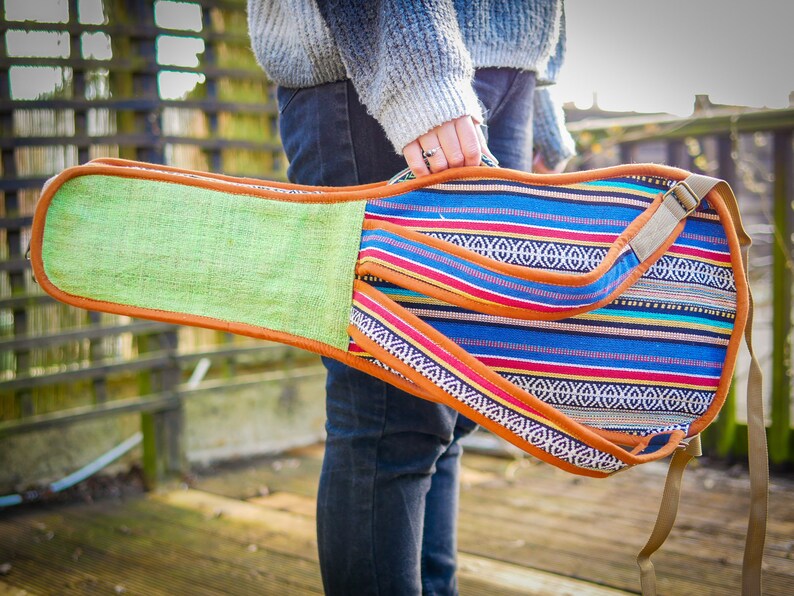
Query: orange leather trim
x=470, y=172
x=225, y=185
x=126, y=163
x=601, y=439
x=742, y=308
x=378, y=190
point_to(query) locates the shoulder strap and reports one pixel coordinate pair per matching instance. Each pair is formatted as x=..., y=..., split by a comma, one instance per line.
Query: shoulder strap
x=759, y=464
x=667, y=512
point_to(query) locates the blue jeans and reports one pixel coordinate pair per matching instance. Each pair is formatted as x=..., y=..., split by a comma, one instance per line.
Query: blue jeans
x=388, y=497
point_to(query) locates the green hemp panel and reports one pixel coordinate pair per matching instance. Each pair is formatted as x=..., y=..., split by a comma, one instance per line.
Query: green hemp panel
x=281, y=265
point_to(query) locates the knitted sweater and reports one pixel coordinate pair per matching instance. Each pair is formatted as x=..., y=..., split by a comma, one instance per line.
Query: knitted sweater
x=412, y=61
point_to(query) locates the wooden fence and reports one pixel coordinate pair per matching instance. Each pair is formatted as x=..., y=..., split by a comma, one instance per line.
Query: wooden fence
x=113, y=71
x=109, y=81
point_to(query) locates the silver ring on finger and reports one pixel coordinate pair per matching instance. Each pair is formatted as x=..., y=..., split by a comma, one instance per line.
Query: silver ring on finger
x=430, y=152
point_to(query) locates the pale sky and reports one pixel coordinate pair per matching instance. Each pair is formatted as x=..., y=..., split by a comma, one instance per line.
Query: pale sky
x=636, y=55
x=655, y=55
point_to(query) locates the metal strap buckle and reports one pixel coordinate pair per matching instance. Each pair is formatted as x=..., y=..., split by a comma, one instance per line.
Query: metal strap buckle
x=692, y=446
x=685, y=196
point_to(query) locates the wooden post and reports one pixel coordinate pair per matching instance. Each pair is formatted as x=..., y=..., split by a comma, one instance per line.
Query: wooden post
x=120, y=79
x=628, y=152
x=167, y=426
x=96, y=352
x=163, y=431
x=211, y=86
x=78, y=80
x=16, y=278
x=136, y=44
x=781, y=295
x=144, y=80
x=721, y=435
x=214, y=152
x=676, y=153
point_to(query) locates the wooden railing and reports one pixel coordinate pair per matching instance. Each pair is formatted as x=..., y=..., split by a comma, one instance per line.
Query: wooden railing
x=109, y=97
x=752, y=150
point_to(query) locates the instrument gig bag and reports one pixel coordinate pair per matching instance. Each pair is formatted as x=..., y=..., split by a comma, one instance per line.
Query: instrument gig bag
x=592, y=319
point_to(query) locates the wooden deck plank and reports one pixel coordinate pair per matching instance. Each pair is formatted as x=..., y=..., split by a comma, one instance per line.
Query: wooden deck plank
x=53, y=560
x=568, y=514
x=222, y=553
x=9, y=590
x=503, y=578
x=524, y=529
x=717, y=538
x=579, y=512
x=148, y=513
x=587, y=526
x=637, y=495
x=40, y=575
x=287, y=502
x=506, y=578
x=163, y=559
x=295, y=513
x=628, y=504
x=295, y=472
x=141, y=566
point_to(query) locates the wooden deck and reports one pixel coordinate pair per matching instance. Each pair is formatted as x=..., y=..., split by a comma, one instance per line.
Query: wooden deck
x=525, y=528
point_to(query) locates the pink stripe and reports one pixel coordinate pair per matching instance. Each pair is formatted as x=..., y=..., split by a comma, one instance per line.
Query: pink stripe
x=443, y=279
x=701, y=252
x=484, y=273
x=463, y=226
x=353, y=347
x=597, y=373
x=440, y=353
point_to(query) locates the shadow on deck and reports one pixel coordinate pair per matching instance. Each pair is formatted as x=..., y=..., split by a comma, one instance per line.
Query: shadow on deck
x=525, y=528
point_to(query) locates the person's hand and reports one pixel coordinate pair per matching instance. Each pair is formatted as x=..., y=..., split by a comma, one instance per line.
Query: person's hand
x=456, y=143
x=539, y=166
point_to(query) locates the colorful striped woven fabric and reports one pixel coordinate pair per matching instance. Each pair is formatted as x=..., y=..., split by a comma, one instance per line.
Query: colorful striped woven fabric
x=592, y=319
x=647, y=363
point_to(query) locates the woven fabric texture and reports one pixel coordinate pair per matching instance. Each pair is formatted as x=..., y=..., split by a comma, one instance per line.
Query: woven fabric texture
x=410, y=346
x=281, y=265
x=647, y=363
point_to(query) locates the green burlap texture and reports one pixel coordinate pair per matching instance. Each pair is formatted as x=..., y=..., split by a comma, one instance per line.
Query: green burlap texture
x=281, y=265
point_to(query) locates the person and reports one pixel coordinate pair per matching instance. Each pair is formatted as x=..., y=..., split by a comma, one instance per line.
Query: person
x=365, y=87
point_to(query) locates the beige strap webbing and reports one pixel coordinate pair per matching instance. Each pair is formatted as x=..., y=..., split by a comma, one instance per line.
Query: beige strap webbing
x=757, y=455
x=667, y=513
x=700, y=186
x=677, y=203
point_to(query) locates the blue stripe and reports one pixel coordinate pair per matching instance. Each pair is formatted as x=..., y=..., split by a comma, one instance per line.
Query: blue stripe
x=532, y=209
x=610, y=346
x=526, y=290
x=627, y=185
x=665, y=317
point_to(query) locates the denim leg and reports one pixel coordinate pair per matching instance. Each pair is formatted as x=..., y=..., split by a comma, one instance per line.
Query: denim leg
x=507, y=96
x=385, y=519
x=439, y=548
x=387, y=502
x=381, y=465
